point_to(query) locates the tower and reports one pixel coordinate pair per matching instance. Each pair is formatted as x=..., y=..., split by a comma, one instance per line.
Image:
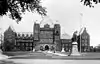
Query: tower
x=36, y=31
x=84, y=41
x=57, y=37
x=9, y=39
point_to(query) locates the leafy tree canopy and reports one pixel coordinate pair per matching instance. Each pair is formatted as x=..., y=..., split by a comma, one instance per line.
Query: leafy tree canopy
x=15, y=8
x=90, y=2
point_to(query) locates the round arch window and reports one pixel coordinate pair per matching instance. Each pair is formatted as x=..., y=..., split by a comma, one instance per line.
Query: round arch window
x=46, y=47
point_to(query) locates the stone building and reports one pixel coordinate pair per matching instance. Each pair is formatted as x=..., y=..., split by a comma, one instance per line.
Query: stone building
x=84, y=41
x=14, y=41
x=9, y=39
x=23, y=41
x=66, y=42
x=45, y=36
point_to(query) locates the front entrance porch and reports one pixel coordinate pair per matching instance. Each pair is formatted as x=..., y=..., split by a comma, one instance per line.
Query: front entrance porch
x=45, y=47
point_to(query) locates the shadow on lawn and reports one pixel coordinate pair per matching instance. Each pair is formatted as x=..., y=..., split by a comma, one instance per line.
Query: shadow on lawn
x=7, y=62
x=14, y=53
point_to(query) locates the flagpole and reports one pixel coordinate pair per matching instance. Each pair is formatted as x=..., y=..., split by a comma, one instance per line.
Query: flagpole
x=81, y=14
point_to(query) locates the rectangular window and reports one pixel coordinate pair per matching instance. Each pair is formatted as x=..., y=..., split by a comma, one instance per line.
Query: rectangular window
x=46, y=40
x=82, y=40
x=85, y=40
x=46, y=34
x=30, y=44
x=26, y=44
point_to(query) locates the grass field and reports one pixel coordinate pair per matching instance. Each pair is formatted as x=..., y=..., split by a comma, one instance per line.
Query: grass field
x=45, y=58
x=39, y=55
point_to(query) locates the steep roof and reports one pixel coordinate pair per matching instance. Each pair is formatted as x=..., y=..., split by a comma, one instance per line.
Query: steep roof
x=65, y=36
x=83, y=31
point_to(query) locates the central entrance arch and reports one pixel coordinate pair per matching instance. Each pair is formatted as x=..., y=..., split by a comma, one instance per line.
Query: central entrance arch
x=46, y=47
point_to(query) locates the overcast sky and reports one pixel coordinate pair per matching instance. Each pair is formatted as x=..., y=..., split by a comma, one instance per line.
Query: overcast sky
x=67, y=13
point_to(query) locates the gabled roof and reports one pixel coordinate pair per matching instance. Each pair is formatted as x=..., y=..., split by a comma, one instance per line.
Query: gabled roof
x=83, y=30
x=65, y=36
x=11, y=28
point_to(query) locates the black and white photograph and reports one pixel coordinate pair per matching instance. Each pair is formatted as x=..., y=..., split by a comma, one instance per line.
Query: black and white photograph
x=49, y=32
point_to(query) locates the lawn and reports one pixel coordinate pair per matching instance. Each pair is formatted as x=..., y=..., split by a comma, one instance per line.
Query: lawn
x=40, y=55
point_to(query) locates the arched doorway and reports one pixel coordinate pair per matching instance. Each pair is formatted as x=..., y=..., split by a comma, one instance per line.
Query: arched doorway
x=46, y=47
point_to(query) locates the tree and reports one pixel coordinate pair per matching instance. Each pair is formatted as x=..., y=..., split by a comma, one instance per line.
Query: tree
x=90, y=2
x=16, y=8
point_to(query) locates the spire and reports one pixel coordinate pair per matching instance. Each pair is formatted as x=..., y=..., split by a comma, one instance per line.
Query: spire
x=85, y=31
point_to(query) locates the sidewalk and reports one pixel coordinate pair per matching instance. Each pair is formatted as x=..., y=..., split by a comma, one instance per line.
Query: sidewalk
x=58, y=54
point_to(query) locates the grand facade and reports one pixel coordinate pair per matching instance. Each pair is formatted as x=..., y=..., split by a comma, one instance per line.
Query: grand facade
x=47, y=38
x=42, y=38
